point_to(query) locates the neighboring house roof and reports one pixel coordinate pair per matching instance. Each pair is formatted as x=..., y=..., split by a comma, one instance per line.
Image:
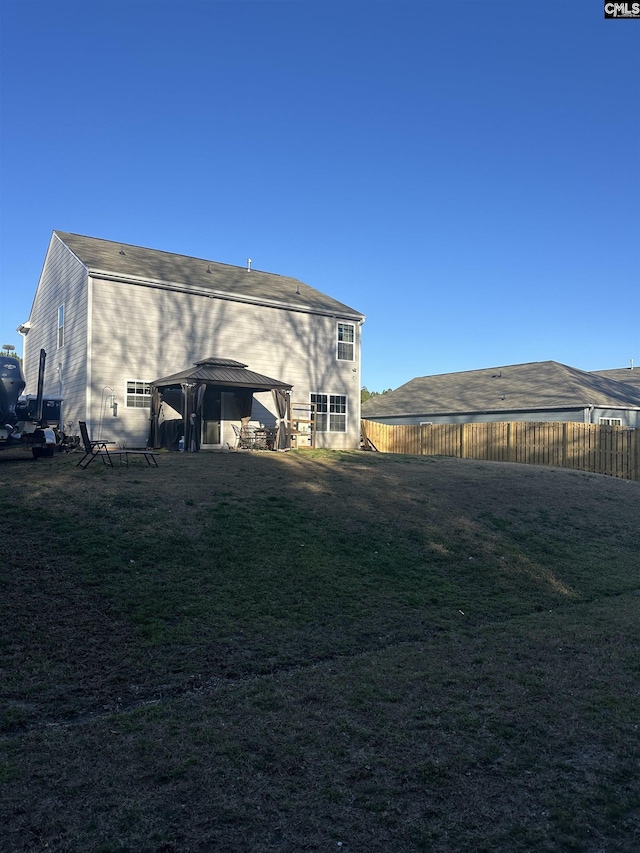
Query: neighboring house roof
x=104, y=258
x=622, y=374
x=223, y=372
x=517, y=387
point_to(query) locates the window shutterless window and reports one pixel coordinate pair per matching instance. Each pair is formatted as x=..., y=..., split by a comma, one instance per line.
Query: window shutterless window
x=346, y=338
x=610, y=421
x=61, y=326
x=337, y=413
x=138, y=394
x=319, y=412
x=329, y=412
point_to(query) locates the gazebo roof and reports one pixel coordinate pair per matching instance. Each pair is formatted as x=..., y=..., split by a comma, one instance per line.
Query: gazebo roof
x=222, y=372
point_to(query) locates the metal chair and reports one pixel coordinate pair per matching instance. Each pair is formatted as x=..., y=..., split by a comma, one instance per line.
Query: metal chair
x=93, y=449
x=100, y=449
x=244, y=438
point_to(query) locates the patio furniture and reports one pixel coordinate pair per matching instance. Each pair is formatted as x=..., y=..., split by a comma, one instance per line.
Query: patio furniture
x=255, y=438
x=265, y=438
x=244, y=437
x=100, y=449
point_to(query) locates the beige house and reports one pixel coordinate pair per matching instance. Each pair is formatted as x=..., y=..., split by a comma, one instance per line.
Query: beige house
x=114, y=318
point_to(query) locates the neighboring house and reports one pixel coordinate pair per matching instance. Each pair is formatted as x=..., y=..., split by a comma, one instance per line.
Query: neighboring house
x=630, y=375
x=539, y=391
x=114, y=318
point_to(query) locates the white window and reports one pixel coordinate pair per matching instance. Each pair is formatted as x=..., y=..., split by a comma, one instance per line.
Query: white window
x=346, y=337
x=610, y=422
x=329, y=412
x=138, y=394
x=61, y=326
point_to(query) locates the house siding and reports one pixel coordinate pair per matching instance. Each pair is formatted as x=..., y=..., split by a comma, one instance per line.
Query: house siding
x=145, y=332
x=554, y=416
x=584, y=414
x=62, y=282
x=628, y=417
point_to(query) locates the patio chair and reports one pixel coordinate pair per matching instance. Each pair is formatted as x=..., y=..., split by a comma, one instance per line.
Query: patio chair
x=100, y=449
x=93, y=449
x=244, y=438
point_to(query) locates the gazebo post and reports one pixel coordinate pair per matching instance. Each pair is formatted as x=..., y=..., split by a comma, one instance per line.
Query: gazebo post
x=186, y=391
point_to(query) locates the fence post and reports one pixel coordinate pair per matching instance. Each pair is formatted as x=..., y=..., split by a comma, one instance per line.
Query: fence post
x=634, y=454
x=565, y=445
x=463, y=441
x=511, y=442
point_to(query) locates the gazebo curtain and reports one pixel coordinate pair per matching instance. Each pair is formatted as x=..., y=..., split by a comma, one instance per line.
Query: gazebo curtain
x=193, y=397
x=244, y=401
x=281, y=399
x=154, y=427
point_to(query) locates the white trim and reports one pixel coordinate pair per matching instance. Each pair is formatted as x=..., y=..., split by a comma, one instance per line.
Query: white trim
x=607, y=421
x=60, y=327
x=328, y=413
x=135, y=394
x=351, y=343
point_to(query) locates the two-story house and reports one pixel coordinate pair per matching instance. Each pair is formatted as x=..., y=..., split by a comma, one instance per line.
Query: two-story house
x=115, y=318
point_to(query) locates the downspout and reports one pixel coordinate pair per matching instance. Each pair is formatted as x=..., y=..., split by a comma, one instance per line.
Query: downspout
x=359, y=376
x=61, y=395
x=588, y=414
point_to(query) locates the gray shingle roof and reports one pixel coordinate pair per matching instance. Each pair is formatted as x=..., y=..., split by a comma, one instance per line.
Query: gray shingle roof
x=520, y=387
x=622, y=374
x=136, y=263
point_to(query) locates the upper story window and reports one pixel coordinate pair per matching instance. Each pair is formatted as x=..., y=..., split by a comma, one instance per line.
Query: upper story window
x=138, y=394
x=610, y=421
x=61, y=326
x=346, y=338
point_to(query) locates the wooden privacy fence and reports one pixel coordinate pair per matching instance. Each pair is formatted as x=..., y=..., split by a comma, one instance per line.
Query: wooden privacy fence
x=611, y=450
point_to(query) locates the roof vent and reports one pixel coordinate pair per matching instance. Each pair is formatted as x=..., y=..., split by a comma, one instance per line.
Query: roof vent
x=209, y=268
x=248, y=264
x=122, y=252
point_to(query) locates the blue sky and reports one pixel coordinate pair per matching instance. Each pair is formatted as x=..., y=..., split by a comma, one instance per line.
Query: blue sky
x=466, y=174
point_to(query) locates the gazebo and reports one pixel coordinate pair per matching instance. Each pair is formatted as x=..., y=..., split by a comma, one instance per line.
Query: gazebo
x=196, y=395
